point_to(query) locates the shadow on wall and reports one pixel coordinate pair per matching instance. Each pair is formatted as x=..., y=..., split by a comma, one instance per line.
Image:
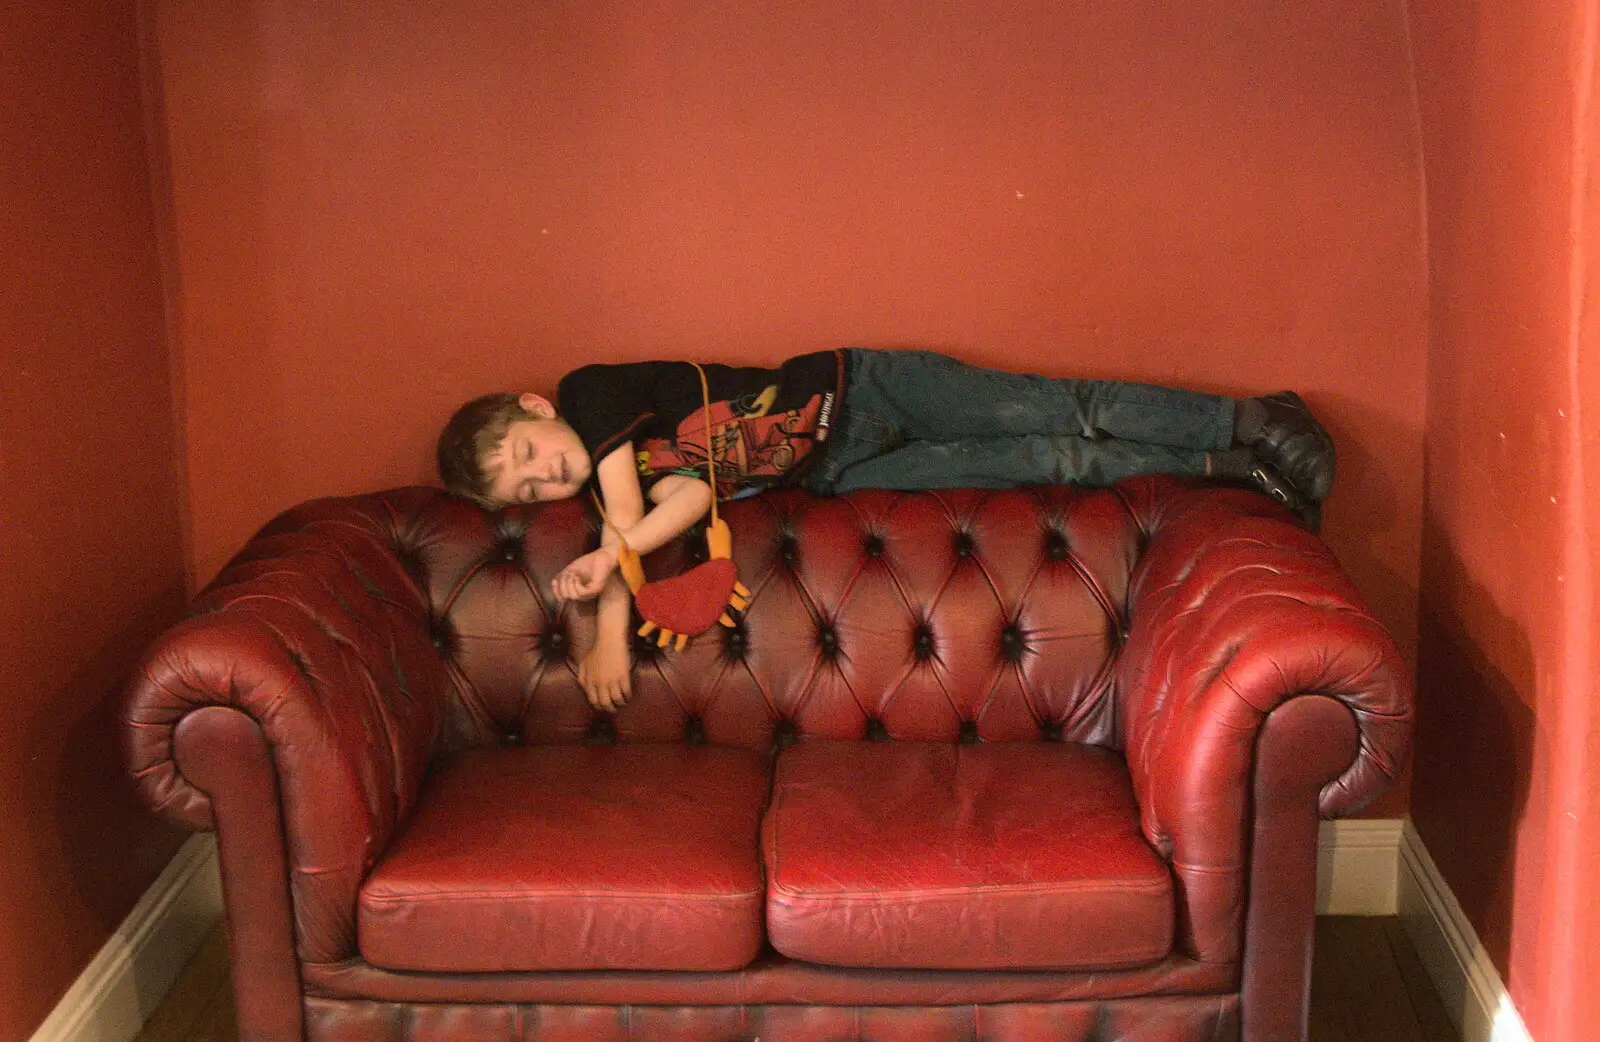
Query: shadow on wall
x=1372, y=523
x=1376, y=547
x=1475, y=735
x=96, y=816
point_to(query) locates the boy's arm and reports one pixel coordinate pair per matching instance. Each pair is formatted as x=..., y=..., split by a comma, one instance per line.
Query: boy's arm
x=679, y=502
x=606, y=671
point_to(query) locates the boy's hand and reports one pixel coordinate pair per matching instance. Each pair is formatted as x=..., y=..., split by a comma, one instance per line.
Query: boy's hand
x=584, y=578
x=605, y=673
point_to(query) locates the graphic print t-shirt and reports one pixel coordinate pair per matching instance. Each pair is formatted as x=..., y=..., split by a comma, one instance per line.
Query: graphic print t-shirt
x=767, y=425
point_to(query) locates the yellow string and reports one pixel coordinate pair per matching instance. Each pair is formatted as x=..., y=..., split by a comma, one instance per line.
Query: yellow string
x=605, y=517
x=711, y=455
x=711, y=462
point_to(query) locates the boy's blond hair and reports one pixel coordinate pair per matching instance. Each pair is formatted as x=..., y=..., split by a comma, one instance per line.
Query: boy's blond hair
x=476, y=429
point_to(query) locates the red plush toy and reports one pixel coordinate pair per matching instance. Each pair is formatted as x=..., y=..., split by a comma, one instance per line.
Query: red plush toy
x=691, y=603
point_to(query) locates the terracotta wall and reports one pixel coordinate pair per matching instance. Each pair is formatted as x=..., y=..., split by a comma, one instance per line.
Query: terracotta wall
x=385, y=209
x=379, y=210
x=1577, y=899
x=91, y=561
x=1504, y=787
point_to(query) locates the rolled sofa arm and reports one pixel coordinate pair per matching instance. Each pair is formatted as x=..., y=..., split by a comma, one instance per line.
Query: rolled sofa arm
x=318, y=636
x=1234, y=611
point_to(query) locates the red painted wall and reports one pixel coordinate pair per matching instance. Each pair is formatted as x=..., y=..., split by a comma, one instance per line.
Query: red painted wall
x=379, y=210
x=384, y=209
x=1577, y=899
x=91, y=557
x=1504, y=785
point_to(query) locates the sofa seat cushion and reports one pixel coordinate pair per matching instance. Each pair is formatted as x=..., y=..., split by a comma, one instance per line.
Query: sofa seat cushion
x=635, y=857
x=973, y=856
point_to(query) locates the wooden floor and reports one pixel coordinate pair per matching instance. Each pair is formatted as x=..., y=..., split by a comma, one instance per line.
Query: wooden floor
x=1367, y=986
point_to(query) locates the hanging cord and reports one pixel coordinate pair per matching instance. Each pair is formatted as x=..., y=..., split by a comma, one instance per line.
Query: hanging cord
x=711, y=455
x=674, y=606
x=711, y=469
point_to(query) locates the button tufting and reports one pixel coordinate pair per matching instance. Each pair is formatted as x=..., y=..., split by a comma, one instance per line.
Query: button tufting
x=829, y=641
x=876, y=732
x=969, y=732
x=874, y=545
x=443, y=637
x=963, y=544
x=922, y=639
x=1050, y=731
x=554, y=643
x=694, y=730
x=510, y=552
x=735, y=642
x=411, y=563
x=1011, y=643
x=789, y=548
x=510, y=528
x=1055, y=545
x=602, y=730
x=511, y=738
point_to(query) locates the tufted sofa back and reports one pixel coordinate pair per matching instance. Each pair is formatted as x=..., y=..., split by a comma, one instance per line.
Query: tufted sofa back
x=367, y=636
x=928, y=616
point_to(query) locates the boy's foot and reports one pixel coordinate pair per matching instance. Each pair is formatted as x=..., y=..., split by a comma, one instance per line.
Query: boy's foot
x=1284, y=435
x=1272, y=484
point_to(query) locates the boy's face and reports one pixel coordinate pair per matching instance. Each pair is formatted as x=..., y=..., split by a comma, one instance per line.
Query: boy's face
x=538, y=460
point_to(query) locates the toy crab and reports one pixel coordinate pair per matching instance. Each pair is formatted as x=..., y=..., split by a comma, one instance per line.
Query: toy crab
x=678, y=608
x=687, y=604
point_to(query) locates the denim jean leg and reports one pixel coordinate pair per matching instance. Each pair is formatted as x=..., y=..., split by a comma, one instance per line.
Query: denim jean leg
x=1007, y=462
x=859, y=435
x=931, y=397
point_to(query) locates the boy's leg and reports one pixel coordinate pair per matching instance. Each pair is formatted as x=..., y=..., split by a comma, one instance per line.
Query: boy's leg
x=1043, y=459
x=1006, y=462
x=926, y=396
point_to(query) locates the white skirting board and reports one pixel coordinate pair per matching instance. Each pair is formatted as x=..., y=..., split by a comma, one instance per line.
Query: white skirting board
x=1358, y=863
x=1380, y=867
x=1462, y=971
x=125, y=982
x=1364, y=867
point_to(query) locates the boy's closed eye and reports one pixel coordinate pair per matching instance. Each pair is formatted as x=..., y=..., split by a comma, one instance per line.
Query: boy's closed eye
x=527, y=493
x=538, y=461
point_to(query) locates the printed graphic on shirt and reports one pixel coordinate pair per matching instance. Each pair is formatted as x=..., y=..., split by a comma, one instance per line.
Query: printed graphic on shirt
x=753, y=447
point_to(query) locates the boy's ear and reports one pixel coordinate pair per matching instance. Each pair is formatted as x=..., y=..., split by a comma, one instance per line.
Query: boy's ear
x=534, y=405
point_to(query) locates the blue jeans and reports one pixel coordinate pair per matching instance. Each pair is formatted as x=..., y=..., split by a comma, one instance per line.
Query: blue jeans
x=919, y=420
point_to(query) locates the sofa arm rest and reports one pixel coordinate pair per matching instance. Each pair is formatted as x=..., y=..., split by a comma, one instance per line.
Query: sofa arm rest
x=322, y=640
x=1233, y=610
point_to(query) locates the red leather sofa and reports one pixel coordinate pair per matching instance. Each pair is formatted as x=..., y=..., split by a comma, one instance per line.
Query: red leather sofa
x=1032, y=764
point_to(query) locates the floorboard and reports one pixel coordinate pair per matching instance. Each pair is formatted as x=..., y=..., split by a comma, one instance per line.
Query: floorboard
x=1367, y=986
x=203, y=983
x=1367, y=999
x=1437, y=1026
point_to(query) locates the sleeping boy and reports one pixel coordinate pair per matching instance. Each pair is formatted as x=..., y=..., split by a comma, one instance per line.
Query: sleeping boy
x=837, y=421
